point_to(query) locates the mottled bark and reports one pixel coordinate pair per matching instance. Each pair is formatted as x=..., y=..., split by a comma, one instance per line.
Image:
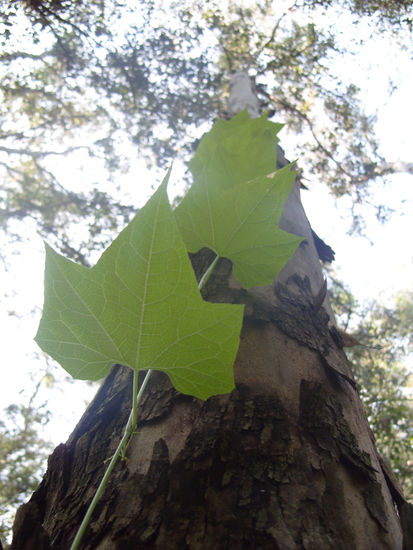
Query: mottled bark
x=286, y=461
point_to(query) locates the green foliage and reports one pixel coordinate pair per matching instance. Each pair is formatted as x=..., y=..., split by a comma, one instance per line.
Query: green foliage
x=140, y=305
x=236, y=151
x=235, y=202
x=380, y=367
x=23, y=453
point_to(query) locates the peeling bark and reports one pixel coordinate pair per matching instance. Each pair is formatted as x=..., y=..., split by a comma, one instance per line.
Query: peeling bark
x=285, y=461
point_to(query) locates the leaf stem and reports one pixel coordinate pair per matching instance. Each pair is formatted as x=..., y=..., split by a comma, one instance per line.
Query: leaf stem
x=135, y=398
x=124, y=442
x=204, y=279
x=129, y=429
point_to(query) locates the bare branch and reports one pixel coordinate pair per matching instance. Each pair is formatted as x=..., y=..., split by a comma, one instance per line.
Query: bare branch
x=271, y=38
x=302, y=116
x=40, y=154
x=397, y=167
x=6, y=57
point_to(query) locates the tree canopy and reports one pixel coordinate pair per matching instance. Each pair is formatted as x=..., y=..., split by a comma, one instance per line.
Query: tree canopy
x=109, y=83
x=23, y=450
x=381, y=345
x=393, y=12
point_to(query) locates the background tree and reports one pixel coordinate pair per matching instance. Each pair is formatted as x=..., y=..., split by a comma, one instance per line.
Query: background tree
x=23, y=451
x=385, y=11
x=97, y=76
x=379, y=355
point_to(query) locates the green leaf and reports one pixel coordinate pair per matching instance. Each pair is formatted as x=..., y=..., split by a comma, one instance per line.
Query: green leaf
x=236, y=150
x=239, y=220
x=139, y=306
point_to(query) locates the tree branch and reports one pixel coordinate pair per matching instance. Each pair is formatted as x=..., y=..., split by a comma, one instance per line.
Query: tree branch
x=398, y=166
x=275, y=29
x=302, y=116
x=40, y=154
x=23, y=55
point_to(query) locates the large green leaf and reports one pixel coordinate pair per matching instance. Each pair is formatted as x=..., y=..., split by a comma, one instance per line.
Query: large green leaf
x=140, y=306
x=238, y=218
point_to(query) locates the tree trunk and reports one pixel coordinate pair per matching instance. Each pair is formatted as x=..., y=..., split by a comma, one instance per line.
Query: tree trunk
x=286, y=461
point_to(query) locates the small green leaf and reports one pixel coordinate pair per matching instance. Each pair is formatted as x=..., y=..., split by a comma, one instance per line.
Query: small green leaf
x=236, y=150
x=237, y=220
x=140, y=306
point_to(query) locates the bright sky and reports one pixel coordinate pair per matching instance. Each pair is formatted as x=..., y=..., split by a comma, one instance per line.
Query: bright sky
x=382, y=263
x=369, y=269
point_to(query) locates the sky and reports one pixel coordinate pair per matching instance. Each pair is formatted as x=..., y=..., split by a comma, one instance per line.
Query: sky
x=381, y=262
x=377, y=265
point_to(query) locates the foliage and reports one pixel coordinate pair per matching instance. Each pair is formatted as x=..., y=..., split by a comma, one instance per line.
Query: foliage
x=236, y=200
x=380, y=367
x=108, y=82
x=22, y=455
x=393, y=12
x=140, y=305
